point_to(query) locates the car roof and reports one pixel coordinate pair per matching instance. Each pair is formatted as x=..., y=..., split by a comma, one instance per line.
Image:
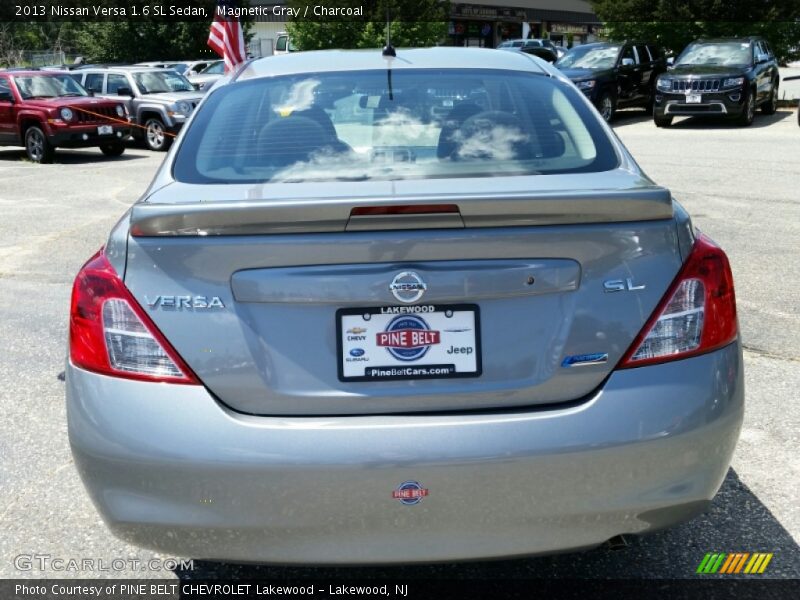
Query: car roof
x=414, y=58
x=741, y=40
x=617, y=43
x=128, y=68
x=26, y=72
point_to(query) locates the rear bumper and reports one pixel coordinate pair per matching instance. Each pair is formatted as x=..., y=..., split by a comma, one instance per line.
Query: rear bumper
x=170, y=469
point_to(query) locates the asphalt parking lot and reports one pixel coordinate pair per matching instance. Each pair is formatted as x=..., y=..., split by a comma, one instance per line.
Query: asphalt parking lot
x=741, y=186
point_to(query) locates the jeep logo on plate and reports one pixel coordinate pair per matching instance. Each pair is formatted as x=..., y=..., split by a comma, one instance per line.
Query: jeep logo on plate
x=407, y=286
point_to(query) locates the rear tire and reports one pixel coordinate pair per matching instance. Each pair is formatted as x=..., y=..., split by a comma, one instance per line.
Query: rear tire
x=771, y=105
x=114, y=149
x=662, y=121
x=37, y=146
x=607, y=106
x=749, y=110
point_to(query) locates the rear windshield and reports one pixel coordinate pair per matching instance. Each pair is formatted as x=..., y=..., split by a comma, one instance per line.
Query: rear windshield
x=378, y=125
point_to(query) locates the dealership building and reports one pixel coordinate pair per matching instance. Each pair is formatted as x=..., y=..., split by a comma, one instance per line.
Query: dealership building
x=484, y=23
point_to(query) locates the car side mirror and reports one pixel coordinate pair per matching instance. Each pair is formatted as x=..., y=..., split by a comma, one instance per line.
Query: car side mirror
x=124, y=91
x=761, y=58
x=670, y=61
x=90, y=92
x=6, y=97
x=627, y=62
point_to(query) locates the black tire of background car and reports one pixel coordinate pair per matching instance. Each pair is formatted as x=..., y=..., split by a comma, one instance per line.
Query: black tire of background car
x=662, y=121
x=651, y=101
x=771, y=105
x=606, y=95
x=749, y=110
x=155, y=135
x=112, y=149
x=37, y=146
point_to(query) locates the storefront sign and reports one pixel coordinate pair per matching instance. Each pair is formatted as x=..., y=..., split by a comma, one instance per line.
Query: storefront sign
x=568, y=28
x=474, y=11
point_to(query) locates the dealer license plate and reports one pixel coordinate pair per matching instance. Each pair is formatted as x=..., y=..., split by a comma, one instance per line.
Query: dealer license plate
x=105, y=130
x=408, y=342
x=694, y=99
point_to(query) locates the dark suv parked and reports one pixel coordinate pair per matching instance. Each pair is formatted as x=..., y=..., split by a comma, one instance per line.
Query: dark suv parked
x=724, y=77
x=614, y=74
x=543, y=48
x=43, y=110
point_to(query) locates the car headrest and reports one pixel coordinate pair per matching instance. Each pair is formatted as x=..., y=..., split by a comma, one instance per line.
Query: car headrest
x=318, y=114
x=455, y=118
x=287, y=140
x=492, y=134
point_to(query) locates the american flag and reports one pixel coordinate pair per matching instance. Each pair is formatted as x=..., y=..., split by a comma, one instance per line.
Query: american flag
x=226, y=37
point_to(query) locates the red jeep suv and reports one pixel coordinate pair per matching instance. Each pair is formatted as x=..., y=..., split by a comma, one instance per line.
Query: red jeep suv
x=45, y=110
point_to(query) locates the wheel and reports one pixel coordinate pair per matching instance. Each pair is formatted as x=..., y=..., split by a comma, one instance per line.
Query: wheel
x=155, y=135
x=749, y=112
x=112, y=149
x=771, y=105
x=662, y=121
x=37, y=146
x=607, y=105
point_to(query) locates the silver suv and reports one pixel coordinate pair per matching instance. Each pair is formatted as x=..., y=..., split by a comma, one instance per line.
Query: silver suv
x=158, y=100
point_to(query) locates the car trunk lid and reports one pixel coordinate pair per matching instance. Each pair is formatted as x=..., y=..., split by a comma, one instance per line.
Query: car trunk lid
x=261, y=297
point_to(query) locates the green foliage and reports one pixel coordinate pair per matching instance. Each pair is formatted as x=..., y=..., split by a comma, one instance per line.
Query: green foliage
x=129, y=41
x=17, y=37
x=675, y=23
x=414, y=23
x=117, y=41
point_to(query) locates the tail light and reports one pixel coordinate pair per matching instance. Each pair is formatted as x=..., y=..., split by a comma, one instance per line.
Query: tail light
x=109, y=333
x=696, y=315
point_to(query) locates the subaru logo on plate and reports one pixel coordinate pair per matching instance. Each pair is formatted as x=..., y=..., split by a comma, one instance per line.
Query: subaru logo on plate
x=357, y=352
x=407, y=286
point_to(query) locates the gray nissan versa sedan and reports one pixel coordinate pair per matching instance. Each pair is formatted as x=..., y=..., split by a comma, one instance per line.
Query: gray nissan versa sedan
x=420, y=308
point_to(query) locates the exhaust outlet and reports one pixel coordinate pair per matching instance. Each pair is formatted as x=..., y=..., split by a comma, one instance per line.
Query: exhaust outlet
x=618, y=542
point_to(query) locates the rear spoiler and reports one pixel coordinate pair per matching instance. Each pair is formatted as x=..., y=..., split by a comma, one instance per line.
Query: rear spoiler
x=328, y=216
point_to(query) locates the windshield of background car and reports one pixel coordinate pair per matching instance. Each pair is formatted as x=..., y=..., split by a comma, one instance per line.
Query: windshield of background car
x=156, y=82
x=604, y=57
x=48, y=86
x=416, y=124
x=215, y=69
x=729, y=54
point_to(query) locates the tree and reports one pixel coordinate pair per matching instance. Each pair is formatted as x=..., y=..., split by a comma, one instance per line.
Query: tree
x=137, y=41
x=18, y=37
x=414, y=23
x=675, y=23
